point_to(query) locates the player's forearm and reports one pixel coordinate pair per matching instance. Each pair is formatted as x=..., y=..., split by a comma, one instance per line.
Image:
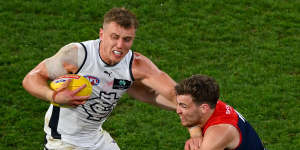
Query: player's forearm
x=37, y=86
x=164, y=103
x=167, y=97
x=195, y=131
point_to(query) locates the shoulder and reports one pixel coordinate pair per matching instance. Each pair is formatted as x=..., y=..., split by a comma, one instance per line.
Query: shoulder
x=140, y=59
x=68, y=59
x=142, y=67
x=73, y=53
x=70, y=49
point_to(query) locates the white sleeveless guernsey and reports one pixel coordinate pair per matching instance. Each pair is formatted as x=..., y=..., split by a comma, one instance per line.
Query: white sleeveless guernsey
x=81, y=126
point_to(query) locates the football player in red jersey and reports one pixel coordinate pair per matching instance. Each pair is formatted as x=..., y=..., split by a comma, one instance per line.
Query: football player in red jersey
x=222, y=127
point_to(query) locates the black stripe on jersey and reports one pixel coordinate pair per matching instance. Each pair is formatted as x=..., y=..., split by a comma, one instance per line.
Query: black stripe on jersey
x=84, y=58
x=130, y=66
x=45, y=142
x=54, y=122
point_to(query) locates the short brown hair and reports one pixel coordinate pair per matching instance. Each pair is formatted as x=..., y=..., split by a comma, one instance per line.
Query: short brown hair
x=202, y=88
x=122, y=17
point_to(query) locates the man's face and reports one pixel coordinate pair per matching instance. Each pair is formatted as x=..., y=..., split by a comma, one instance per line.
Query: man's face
x=188, y=111
x=115, y=42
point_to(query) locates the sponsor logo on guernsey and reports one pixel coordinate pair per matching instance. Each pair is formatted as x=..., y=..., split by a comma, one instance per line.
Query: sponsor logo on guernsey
x=94, y=80
x=121, y=84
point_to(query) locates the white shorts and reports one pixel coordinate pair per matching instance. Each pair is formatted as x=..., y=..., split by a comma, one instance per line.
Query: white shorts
x=106, y=143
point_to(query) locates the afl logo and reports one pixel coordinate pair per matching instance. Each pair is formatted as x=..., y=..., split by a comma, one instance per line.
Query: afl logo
x=60, y=80
x=94, y=81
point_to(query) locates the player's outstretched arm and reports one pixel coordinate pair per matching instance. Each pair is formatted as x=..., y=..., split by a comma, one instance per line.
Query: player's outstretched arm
x=63, y=62
x=151, y=84
x=145, y=94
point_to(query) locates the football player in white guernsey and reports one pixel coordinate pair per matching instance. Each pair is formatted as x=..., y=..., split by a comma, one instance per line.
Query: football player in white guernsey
x=113, y=69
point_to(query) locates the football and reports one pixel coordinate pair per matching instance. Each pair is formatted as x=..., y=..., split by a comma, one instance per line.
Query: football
x=77, y=81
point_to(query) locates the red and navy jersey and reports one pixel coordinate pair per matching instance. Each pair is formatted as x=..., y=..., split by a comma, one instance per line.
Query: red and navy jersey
x=225, y=114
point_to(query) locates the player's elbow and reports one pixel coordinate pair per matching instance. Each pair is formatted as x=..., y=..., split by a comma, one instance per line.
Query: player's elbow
x=26, y=82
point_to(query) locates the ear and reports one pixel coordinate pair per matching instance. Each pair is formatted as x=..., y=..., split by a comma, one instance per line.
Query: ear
x=204, y=108
x=101, y=33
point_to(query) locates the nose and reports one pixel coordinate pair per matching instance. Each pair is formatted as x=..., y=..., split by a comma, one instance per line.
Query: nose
x=120, y=43
x=178, y=110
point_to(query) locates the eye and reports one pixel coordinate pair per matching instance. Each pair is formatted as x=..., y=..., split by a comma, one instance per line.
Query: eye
x=127, y=39
x=114, y=36
x=183, y=105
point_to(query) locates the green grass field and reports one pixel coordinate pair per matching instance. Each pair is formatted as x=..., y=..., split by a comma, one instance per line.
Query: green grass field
x=251, y=47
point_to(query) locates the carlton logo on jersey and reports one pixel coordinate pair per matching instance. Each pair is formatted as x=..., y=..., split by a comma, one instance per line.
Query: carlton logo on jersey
x=102, y=106
x=94, y=80
x=121, y=84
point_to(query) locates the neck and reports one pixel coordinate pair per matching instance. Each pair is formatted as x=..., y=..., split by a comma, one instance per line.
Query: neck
x=206, y=116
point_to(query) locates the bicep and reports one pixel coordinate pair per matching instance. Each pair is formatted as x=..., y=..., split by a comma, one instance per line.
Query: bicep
x=50, y=68
x=35, y=82
x=152, y=77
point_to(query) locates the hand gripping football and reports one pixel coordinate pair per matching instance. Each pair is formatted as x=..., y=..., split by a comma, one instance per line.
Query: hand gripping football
x=77, y=81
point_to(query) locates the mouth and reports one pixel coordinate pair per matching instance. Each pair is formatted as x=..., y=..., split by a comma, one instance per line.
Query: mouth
x=181, y=118
x=117, y=53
